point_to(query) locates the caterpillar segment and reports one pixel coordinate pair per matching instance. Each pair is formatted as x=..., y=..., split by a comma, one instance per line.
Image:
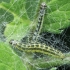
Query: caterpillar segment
x=40, y=22
x=39, y=48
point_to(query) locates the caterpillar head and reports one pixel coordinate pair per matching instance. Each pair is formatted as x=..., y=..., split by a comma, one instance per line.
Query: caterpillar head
x=13, y=42
x=43, y=5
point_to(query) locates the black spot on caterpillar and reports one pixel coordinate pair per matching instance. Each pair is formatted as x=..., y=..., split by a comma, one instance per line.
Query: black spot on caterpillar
x=39, y=48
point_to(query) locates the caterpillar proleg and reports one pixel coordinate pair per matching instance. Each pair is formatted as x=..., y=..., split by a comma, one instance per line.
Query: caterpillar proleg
x=39, y=48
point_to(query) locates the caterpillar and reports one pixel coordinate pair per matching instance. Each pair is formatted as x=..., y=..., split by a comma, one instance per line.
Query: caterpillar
x=39, y=48
x=40, y=22
x=33, y=36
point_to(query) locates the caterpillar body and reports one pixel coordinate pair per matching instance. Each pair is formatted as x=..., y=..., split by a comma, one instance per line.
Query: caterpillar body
x=40, y=22
x=40, y=48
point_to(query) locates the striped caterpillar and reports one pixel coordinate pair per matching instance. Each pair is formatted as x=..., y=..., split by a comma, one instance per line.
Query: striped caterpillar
x=34, y=46
x=40, y=22
x=33, y=37
x=40, y=48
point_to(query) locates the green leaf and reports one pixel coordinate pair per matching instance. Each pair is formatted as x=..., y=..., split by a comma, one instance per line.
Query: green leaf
x=31, y=8
x=5, y=1
x=20, y=22
x=8, y=59
x=57, y=16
